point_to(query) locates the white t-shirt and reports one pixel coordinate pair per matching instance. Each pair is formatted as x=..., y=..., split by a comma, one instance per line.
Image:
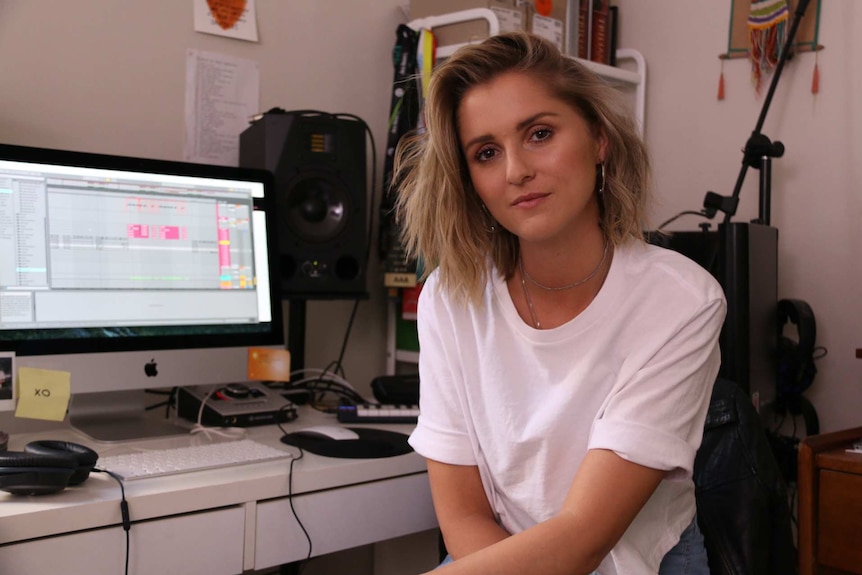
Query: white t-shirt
x=632, y=373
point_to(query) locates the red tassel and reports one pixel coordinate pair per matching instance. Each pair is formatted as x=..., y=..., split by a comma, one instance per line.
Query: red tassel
x=815, y=80
x=721, y=82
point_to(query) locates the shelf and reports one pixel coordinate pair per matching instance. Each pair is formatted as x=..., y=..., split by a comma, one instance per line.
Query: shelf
x=634, y=78
x=430, y=22
x=406, y=356
x=619, y=74
x=395, y=355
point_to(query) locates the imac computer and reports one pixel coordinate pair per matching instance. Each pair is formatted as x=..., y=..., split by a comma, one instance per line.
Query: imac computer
x=134, y=274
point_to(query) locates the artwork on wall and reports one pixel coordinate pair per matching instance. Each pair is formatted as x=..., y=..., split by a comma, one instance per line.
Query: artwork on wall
x=758, y=31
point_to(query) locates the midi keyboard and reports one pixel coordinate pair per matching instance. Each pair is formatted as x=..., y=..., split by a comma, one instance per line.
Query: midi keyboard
x=378, y=413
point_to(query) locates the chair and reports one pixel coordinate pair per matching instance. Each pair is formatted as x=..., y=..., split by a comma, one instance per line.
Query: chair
x=742, y=501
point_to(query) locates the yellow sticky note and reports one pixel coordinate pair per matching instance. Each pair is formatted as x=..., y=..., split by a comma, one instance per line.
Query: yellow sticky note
x=43, y=393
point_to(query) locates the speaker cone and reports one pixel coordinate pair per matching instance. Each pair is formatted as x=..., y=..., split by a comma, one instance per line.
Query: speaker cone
x=317, y=209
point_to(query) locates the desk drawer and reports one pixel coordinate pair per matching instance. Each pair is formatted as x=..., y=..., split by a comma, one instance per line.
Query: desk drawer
x=343, y=518
x=840, y=521
x=206, y=543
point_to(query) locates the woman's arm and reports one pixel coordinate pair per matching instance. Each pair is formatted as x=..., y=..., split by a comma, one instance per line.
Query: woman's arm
x=604, y=498
x=462, y=509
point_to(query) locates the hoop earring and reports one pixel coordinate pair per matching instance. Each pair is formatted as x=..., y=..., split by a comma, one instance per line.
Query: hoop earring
x=600, y=175
x=493, y=227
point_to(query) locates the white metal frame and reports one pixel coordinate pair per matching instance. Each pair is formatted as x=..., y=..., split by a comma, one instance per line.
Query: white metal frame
x=431, y=22
x=636, y=77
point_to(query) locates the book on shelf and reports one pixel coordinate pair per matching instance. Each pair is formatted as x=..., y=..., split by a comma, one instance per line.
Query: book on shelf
x=597, y=34
x=613, y=18
x=582, y=29
x=399, y=271
x=600, y=38
x=410, y=301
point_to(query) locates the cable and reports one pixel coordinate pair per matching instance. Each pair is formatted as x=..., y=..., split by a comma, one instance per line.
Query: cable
x=324, y=377
x=373, y=184
x=290, y=500
x=334, y=372
x=792, y=490
x=338, y=365
x=317, y=370
x=327, y=384
x=124, y=511
x=702, y=213
x=168, y=403
x=229, y=432
x=347, y=336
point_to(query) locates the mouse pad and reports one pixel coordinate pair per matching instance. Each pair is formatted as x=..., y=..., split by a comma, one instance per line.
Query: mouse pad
x=372, y=443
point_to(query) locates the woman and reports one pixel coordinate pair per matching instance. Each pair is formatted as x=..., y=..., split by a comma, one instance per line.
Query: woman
x=565, y=366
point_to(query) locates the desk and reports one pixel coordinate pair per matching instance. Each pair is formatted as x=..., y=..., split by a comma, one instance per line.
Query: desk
x=214, y=522
x=830, y=504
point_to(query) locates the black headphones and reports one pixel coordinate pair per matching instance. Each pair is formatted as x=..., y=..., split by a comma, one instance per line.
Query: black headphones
x=795, y=365
x=45, y=467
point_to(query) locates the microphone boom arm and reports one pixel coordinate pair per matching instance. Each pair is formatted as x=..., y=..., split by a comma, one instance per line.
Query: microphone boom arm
x=759, y=150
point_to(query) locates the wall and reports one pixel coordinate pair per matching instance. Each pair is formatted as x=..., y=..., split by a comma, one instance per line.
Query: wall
x=696, y=143
x=108, y=76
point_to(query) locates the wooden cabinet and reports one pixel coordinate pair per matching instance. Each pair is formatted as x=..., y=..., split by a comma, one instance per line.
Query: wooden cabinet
x=830, y=504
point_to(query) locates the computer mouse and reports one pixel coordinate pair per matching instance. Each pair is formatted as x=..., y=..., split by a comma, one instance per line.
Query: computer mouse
x=326, y=432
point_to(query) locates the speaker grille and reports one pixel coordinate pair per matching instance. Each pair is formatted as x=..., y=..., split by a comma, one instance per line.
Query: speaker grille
x=317, y=208
x=318, y=160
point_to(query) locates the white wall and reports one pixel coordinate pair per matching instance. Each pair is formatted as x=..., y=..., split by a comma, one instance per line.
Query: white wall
x=108, y=76
x=696, y=143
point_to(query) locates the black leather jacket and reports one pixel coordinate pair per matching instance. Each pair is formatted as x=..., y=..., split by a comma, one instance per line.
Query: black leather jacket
x=742, y=504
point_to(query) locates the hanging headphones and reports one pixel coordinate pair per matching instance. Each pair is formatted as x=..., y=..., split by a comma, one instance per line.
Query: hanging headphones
x=796, y=368
x=795, y=362
x=45, y=467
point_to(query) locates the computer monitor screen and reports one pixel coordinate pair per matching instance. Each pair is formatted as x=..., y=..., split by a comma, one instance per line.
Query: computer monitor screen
x=134, y=273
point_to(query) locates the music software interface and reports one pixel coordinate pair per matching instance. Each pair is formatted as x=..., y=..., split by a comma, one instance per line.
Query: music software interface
x=83, y=248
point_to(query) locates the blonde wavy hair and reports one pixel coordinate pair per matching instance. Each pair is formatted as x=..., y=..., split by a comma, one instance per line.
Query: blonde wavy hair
x=441, y=217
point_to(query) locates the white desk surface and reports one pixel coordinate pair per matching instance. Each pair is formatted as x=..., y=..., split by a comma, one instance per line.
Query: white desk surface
x=95, y=503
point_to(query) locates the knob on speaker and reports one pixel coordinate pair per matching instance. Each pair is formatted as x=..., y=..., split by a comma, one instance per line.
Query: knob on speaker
x=318, y=160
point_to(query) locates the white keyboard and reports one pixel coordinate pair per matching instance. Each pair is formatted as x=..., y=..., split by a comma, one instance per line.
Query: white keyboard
x=378, y=413
x=170, y=461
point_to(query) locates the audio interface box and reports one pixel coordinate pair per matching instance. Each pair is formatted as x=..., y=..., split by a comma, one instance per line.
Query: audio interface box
x=234, y=405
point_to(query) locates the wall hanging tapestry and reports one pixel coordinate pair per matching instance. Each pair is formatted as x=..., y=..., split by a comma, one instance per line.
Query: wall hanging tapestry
x=758, y=32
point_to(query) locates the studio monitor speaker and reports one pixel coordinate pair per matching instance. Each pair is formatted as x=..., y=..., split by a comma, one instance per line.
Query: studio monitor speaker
x=743, y=257
x=318, y=160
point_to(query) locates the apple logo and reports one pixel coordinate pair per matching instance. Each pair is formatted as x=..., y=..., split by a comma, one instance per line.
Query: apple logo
x=150, y=368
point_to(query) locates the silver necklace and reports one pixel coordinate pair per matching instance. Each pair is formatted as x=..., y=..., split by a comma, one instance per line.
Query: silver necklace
x=591, y=275
x=527, y=297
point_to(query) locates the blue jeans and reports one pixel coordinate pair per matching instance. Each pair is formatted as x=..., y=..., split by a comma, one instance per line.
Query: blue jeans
x=688, y=557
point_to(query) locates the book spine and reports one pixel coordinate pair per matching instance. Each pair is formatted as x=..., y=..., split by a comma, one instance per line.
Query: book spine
x=582, y=30
x=600, y=41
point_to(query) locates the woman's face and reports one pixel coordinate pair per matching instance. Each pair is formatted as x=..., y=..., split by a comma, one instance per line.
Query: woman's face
x=531, y=157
